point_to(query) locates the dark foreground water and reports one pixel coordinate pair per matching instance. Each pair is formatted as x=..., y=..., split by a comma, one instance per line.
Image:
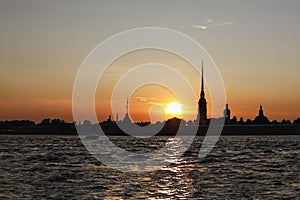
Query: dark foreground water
x=59, y=167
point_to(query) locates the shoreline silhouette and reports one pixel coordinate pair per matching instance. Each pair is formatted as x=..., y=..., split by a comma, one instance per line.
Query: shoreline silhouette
x=169, y=127
x=260, y=125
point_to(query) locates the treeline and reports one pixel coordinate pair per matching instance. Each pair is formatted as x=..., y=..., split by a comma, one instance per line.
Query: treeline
x=58, y=122
x=28, y=123
x=46, y=126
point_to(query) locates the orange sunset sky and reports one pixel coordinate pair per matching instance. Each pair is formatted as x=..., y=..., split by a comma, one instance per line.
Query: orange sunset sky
x=255, y=45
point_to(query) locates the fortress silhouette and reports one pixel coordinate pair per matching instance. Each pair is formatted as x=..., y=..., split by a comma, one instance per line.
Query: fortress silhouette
x=260, y=125
x=202, y=119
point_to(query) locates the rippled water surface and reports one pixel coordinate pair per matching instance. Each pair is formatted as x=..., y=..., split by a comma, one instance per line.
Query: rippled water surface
x=59, y=167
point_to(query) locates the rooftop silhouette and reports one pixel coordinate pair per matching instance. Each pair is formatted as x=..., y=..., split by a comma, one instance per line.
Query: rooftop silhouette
x=170, y=126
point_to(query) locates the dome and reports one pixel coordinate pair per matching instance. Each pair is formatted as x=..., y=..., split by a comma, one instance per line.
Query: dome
x=261, y=118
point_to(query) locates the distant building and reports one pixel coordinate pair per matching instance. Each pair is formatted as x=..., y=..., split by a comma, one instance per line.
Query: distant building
x=109, y=119
x=261, y=118
x=126, y=118
x=202, y=104
x=227, y=114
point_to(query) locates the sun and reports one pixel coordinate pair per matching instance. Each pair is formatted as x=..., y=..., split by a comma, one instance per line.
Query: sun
x=174, y=108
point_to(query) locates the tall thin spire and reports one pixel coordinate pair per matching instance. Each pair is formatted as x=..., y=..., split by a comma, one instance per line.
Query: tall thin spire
x=127, y=118
x=127, y=106
x=202, y=108
x=202, y=87
x=202, y=82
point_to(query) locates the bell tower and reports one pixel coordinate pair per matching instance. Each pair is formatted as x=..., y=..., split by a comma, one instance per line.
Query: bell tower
x=202, y=104
x=127, y=118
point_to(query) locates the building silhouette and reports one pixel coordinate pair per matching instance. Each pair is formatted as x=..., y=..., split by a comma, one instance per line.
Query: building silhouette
x=227, y=114
x=202, y=104
x=126, y=118
x=261, y=118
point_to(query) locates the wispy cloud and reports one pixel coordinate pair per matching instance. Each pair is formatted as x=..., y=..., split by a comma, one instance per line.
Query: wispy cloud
x=150, y=100
x=200, y=27
x=223, y=24
x=147, y=100
x=143, y=99
x=209, y=20
x=210, y=24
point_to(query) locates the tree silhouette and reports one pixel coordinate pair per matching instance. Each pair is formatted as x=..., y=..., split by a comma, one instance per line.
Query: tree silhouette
x=241, y=121
x=234, y=120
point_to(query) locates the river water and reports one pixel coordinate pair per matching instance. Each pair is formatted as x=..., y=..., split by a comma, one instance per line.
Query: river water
x=239, y=167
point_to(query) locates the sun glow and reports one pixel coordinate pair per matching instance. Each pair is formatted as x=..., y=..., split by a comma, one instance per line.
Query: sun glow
x=174, y=109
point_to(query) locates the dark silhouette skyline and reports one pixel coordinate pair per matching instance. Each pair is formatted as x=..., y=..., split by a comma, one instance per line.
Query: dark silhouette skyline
x=202, y=119
x=202, y=104
x=170, y=126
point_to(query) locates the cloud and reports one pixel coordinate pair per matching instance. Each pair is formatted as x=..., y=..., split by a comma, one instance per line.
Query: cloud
x=212, y=25
x=200, y=27
x=149, y=100
x=209, y=20
x=143, y=99
x=222, y=24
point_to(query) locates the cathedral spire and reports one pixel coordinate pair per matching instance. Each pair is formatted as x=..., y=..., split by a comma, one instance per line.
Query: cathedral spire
x=127, y=118
x=202, y=108
x=202, y=88
x=202, y=94
x=127, y=106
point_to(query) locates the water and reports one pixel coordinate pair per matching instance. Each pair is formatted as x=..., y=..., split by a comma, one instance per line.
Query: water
x=59, y=167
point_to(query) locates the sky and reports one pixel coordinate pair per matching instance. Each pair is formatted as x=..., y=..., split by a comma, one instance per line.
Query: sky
x=255, y=45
